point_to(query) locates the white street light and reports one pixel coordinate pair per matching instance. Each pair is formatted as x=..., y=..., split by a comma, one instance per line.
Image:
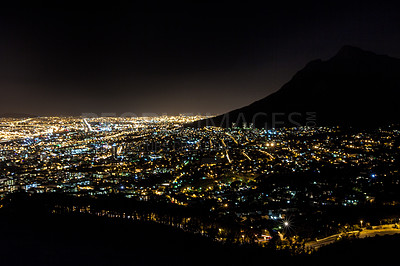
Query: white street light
x=286, y=224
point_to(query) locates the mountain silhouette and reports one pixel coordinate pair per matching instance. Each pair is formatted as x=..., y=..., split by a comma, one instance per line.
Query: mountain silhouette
x=354, y=88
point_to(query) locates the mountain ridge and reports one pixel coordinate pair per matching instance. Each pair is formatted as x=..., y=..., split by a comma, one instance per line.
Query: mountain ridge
x=353, y=88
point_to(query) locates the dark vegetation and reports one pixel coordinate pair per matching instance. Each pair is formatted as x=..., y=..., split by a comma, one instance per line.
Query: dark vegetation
x=31, y=235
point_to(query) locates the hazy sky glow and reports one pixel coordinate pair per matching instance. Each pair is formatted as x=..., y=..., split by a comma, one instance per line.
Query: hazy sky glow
x=191, y=59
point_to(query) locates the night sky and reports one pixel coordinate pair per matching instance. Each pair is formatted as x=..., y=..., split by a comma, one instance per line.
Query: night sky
x=196, y=58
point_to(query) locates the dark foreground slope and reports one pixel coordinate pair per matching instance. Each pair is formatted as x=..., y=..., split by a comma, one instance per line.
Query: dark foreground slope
x=84, y=240
x=354, y=88
x=31, y=236
x=80, y=240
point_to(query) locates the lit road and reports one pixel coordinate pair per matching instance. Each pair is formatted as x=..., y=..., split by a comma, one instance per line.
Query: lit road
x=363, y=234
x=245, y=154
x=323, y=242
x=227, y=157
x=266, y=153
x=237, y=143
x=379, y=232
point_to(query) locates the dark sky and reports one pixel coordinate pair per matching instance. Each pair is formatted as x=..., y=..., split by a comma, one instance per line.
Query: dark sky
x=196, y=58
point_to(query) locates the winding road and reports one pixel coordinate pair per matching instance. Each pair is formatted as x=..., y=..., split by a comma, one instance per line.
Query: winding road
x=362, y=234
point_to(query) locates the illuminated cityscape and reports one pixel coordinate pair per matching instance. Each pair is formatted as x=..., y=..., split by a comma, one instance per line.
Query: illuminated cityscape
x=221, y=133
x=248, y=185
